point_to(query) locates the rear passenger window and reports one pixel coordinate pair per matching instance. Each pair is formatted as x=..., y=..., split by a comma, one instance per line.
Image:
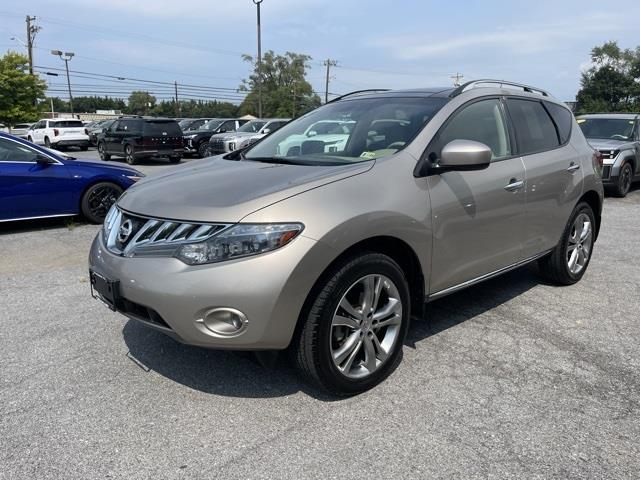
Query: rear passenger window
x=534, y=128
x=563, y=119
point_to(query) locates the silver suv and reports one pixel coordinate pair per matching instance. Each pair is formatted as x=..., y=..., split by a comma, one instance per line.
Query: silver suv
x=330, y=248
x=617, y=137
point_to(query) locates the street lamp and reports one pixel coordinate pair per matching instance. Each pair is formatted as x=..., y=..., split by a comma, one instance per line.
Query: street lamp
x=257, y=3
x=66, y=56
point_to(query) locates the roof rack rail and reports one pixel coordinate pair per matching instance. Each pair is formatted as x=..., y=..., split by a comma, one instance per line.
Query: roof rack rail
x=475, y=83
x=356, y=92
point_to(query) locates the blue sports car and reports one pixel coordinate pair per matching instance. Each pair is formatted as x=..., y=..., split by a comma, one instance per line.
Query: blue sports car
x=36, y=182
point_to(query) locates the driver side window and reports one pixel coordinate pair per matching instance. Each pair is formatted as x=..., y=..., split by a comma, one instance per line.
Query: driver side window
x=16, y=152
x=483, y=122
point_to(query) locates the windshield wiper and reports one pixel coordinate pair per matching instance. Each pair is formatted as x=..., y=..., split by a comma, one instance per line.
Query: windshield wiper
x=279, y=160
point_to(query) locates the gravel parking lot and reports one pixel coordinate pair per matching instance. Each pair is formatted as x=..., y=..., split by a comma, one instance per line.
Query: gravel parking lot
x=509, y=379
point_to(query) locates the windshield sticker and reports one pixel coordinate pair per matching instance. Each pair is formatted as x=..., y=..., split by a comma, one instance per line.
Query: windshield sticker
x=366, y=154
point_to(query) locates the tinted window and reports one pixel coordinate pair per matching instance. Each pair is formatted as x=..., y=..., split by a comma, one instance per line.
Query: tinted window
x=16, y=152
x=273, y=126
x=563, y=119
x=67, y=124
x=534, y=129
x=228, y=126
x=481, y=122
x=168, y=128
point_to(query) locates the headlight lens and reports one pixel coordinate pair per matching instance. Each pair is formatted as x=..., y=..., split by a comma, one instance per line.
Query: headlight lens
x=241, y=240
x=232, y=146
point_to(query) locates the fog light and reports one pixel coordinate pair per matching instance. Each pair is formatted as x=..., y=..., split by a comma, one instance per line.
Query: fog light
x=224, y=321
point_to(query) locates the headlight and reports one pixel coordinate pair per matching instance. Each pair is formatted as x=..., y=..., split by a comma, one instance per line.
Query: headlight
x=241, y=240
x=136, y=177
x=232, y=146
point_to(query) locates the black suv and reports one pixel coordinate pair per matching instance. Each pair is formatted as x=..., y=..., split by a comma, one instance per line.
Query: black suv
x=197, y=141
x=135, y=138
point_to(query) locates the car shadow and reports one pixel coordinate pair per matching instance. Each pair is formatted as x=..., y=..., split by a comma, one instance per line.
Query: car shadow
x=240, y=374
x=21, y=226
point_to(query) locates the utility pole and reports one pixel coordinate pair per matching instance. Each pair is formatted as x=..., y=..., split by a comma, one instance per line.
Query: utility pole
x=257, y=3
x=293, y=115
x=178, y=112
x=31, y=35
x=328, y=63
x=456, y=79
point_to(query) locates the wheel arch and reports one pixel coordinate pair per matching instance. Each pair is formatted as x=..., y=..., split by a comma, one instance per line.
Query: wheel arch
x=395, y=248
x=593, y=199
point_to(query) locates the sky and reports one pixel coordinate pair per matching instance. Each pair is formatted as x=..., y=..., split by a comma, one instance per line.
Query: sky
x=376, y=43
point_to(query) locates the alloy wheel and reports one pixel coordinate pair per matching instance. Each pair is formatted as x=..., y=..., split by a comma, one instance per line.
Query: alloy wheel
x=580, y=243
x=366, y=326
x=625, y=178
x=101, y=199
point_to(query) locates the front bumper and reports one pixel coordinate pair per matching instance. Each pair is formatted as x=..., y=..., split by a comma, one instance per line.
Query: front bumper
x=174, y=152
x=166, y=294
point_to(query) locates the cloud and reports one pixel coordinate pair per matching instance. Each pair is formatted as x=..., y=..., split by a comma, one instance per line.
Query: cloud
x=521, y=39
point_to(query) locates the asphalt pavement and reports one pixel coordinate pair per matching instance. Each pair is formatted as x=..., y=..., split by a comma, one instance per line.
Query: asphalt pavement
x=509, y=379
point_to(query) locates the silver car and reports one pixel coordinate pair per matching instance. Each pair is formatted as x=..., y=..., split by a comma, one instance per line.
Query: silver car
x=246, y=135
x=329, y=253
x=617, y=137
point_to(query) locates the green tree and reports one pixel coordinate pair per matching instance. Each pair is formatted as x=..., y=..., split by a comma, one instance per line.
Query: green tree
x=19, y=91
x=285, y=90
x=612, y=83
x=140, y=103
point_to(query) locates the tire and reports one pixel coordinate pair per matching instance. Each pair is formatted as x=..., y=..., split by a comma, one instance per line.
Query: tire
x=98, y=199
x=624, y=180
x=175, y=159
x=203, y=150
x=104, y=156
x=47, y=142
x=129, y=156
x=318, y=339
x=555, y=267
x=29, y=139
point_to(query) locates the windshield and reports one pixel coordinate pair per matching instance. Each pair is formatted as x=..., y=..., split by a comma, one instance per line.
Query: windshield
x=349, y=131
x=252, y=126
x=211, y=125
x=607, y=128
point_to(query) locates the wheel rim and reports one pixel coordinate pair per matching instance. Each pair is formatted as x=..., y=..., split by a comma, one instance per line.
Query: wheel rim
x=203, y=150
x=580, y=243
x=101, y=199
x=129, y=154
x=625, y=180
x=365, y=326
x=101, y=150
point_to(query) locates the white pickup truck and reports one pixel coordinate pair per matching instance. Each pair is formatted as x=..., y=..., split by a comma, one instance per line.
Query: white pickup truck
x=56, y=133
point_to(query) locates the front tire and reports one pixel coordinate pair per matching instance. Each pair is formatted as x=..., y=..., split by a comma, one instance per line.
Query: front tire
x=98, y=199
x=624, y=180
x=104, y=156
x=47, y=142
x=354, y=326
x=569, y=260
x=203, y=150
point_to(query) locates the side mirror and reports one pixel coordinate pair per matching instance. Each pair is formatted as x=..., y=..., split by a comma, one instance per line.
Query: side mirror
x=457, y=155
x=43, y=160
x=222, y=130
x=266, y=131
x=465, y=155
x=311, y=133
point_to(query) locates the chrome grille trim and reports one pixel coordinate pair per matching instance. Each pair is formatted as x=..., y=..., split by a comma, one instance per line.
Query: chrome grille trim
x=156, y=237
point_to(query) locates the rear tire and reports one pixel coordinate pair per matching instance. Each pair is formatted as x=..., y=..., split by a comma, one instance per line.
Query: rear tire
x=568, y=261
x=47, y=142
x=129, y=156
x=336, y=355
x=624, y=180
x=104, y=156
x=98, y=199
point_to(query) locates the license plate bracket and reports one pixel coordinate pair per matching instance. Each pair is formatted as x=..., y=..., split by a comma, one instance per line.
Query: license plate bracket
x=105, y=290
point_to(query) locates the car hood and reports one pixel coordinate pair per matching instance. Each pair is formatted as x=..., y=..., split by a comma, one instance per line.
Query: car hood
x=606, y=144
x=103, y=167
x=218, y=190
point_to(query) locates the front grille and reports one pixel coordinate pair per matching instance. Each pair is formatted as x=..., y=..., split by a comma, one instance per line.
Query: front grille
x=133, y=235
x=606, y=172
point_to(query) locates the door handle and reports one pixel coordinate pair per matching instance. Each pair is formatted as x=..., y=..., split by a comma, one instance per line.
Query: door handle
x=514, y=185
x=573, y=167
